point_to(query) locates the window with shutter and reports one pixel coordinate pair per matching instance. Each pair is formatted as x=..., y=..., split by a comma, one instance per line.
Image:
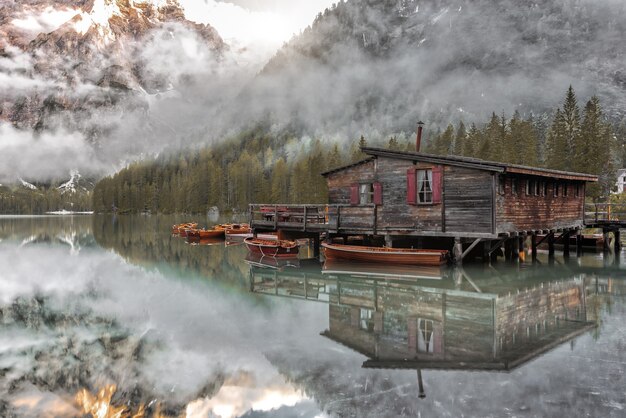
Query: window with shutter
x=425, y=186
x=437, y=183
x=354, y=194
x=378, y=193
x=411, y=187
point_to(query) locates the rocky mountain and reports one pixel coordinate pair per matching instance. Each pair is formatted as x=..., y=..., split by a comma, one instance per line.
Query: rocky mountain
x=378, y=65
x=94, y=60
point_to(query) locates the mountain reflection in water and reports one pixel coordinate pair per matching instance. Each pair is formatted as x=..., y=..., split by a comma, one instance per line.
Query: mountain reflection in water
x=96, y=302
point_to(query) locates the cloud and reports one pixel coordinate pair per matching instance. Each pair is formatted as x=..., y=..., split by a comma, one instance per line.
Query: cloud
x=35, y=21
x=45, y=155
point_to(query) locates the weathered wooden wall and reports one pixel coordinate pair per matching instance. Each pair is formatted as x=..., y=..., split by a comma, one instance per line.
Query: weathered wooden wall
x=395, y=211
x=468, y=199
x=521, y=212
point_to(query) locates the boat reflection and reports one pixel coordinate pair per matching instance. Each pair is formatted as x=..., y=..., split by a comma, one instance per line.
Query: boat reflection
x=424, y=319
x=266, y=262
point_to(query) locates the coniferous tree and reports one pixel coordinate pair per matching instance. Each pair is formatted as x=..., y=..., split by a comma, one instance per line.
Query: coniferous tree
x=473, y=142
x=593, y=154
x=460, y=139
x=557, y=149
x=571, y=121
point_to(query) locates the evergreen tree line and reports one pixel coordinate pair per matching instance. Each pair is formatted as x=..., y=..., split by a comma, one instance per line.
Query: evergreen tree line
x=253, y=167
x=575, y=140
x=19, y=200
x=258, y=167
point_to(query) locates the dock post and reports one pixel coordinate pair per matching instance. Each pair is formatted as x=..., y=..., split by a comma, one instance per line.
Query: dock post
x=551, y=246
x=533, y=244
x=618, y=244
x=458, y=251
x=515, y=247
x=486, y=248
x=566, y=236
x=579, y=243
x=507, y=250
x=316, y=246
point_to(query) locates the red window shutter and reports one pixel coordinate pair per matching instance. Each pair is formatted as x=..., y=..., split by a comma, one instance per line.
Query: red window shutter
x=437, y=183
x=378, y=194
x=411, y=186
x=354, y=194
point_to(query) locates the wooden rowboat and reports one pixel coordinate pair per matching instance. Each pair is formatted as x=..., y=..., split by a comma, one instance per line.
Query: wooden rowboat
x=204, y=233
x=385, y=255
x=272, y=248
x=178, y=228
x=238, y=229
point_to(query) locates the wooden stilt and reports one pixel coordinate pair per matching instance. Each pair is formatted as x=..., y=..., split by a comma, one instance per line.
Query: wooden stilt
x=533, y=243
x=316, y=246
x=515, y=248
x=457, y=251
x=420, y=385
x=566, y=236
x=507, y=249
x=579, y=243
x=618, y=244
x=486, y=251
x=551, y=247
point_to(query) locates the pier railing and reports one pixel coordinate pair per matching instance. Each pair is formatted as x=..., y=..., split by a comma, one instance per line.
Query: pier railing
x=312, y=217
x=605, y=213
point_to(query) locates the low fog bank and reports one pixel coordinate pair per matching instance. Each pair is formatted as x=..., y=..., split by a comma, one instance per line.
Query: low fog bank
x=365, y=68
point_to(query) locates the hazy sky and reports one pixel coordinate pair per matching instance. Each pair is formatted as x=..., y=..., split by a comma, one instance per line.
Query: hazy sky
x=260, y=23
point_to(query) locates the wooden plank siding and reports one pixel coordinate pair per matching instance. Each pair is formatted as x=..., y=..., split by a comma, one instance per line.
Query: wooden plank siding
x=522, y=212
x=469, y=200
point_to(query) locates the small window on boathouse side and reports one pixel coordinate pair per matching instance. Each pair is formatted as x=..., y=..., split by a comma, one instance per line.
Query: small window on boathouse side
x=366, y=193
x=424, y=186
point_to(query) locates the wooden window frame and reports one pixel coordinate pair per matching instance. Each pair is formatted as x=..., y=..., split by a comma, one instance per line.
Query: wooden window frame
x=369, y=193
x=555, y=192
x=425, y=180
x=565, y=191
x=428, y=335
x=501, y=185
x=514, y=188
x=366, y=319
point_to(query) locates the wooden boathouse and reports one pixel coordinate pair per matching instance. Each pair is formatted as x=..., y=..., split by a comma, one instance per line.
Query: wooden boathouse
x=419, y=200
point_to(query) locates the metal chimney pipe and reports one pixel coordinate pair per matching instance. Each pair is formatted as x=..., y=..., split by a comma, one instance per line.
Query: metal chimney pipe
x=418, y=141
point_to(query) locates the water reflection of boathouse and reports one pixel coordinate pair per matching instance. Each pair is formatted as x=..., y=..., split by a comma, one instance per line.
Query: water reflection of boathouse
x=438, y=319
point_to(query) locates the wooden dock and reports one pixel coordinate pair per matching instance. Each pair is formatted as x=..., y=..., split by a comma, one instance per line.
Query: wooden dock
x=321, y=221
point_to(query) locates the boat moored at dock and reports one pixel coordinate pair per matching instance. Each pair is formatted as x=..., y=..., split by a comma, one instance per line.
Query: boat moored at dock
x=409, y=256
x=272, y=248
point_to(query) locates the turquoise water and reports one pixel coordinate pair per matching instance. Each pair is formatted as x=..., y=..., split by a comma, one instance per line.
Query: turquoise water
x=206, y=330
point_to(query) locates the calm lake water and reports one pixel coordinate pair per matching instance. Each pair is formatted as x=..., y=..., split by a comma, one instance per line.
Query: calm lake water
x=114, y=314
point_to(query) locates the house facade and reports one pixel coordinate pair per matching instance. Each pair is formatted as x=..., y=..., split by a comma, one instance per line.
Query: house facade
x=416, y=194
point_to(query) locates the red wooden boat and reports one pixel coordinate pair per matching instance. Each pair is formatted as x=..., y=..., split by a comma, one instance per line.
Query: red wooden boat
x=272, y=248
x=238, y=229
x=204, y=233
x=180, y=228
x=385, y=255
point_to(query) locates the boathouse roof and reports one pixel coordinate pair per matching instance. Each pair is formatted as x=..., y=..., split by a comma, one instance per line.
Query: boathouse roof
x=467, y=162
